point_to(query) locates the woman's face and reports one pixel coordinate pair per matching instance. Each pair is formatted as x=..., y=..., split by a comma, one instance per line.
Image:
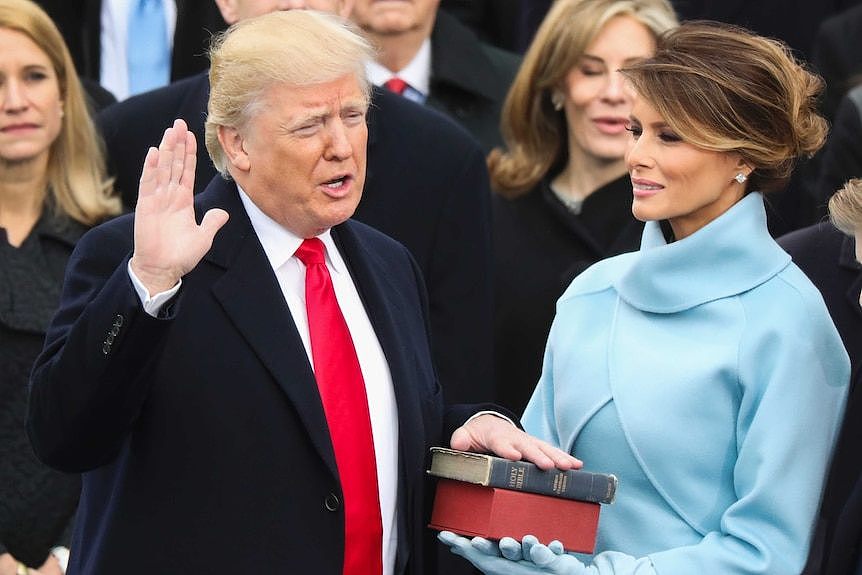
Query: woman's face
x=674, y=180
x=597, y=100
x=31, y=110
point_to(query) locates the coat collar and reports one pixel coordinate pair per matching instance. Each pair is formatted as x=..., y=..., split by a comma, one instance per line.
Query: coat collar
x=58, y=227
x=457, y=59
x=728, y=256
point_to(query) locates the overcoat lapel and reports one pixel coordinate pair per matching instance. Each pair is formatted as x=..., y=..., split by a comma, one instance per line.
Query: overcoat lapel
x=370, y=274
x=251, y=297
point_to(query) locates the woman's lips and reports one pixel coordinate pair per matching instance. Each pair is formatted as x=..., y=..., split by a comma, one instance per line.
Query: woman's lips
x=644, y=188
x=610, y=125
x=14, y=128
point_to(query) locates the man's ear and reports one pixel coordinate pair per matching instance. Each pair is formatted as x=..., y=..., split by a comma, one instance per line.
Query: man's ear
x=233, y=145
x=228, y=11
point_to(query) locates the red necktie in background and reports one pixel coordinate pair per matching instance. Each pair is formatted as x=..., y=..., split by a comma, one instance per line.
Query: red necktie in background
x=345, y=403
x=396, y=84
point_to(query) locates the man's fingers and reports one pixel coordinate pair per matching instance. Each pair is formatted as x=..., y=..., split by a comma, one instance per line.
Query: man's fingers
x=212, y=222
x=178, y=161
x=166, y=157
x=187, y=177
x=148, y=175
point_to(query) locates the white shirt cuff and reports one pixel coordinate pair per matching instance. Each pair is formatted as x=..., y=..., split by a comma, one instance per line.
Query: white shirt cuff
x=489, y=412
x=152, y=304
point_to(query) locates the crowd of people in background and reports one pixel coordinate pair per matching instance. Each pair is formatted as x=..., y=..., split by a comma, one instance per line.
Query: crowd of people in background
x=605, y=213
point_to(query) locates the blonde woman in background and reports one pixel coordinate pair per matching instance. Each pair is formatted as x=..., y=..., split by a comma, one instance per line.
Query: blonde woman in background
x=563, y=199
x=52, y=188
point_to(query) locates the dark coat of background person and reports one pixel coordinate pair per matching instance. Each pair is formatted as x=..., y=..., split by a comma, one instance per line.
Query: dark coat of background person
x=209, y=450
x=496, y=22
x=37, y=504
x=828, y=258
x=837, y=55
x=80, y=23
x=841, y=159
x=469, y=79
x=426, y=186
x=793, y=21
x=539, y=248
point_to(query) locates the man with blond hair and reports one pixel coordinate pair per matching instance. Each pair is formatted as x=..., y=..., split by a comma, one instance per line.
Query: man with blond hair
x=254, y=392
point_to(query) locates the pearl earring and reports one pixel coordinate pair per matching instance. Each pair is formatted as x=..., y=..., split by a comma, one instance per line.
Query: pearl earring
x=740, y=178
x=557, y=100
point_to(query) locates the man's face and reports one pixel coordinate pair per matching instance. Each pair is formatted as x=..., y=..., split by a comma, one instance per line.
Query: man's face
x=301, y=156
x=393, y=17
x=235, y=10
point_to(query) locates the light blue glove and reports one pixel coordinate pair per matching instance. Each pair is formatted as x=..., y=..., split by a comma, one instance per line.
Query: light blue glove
x=512, y=558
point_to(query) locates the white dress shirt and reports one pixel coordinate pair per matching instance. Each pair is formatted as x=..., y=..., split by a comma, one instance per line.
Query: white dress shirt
x=417, y=74
x=279, y=246
x=113, y=70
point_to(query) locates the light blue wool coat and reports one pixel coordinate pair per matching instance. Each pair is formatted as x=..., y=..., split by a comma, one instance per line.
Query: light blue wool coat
x=707, y=374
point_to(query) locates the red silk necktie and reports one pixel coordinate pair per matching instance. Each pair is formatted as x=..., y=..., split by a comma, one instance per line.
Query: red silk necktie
x=345, y=403
x=396, y=84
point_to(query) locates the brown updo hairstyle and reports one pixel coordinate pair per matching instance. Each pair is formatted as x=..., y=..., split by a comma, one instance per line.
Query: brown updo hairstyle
x=723, y=88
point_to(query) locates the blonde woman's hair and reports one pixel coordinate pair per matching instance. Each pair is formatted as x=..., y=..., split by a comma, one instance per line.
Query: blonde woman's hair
x=845, y=207
x=723, y=88
x=77, y=183
x=294, y=47
x=534, y=132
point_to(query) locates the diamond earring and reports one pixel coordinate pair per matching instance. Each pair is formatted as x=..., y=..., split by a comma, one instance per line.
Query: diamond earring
x=740, y=178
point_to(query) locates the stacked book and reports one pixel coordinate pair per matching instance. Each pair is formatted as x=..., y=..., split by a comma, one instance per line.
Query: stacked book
x=487, y=496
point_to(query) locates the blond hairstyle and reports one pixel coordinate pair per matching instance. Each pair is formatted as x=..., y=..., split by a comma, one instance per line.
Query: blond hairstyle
x=534, y=132
x=294, y=47
x=845, y=207
x=77, y=183
x=723, y=88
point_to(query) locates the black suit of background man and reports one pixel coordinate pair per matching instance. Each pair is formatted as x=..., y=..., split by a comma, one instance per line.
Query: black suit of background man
x=80, y=23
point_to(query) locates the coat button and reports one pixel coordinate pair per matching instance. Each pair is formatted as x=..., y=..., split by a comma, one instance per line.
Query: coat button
x=118, y=320
x=332, y=502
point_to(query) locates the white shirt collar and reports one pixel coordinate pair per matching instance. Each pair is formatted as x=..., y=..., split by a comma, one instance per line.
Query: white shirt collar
x=417, y=73
x=279, y=243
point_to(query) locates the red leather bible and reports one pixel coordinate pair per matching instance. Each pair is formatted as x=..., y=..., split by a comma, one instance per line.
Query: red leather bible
x=474, y=510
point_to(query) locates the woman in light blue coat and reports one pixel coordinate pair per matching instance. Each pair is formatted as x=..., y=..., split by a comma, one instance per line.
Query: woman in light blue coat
x=704, y=370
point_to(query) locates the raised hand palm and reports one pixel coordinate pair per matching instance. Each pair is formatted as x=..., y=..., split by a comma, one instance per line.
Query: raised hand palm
x=168, y=241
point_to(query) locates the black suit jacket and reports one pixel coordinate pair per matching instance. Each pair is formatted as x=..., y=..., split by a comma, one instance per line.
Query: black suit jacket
x=497, y=22
x=201, y=433
x=80, y=23
x=426, y=186
x=828, y=258
x=469, y=79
